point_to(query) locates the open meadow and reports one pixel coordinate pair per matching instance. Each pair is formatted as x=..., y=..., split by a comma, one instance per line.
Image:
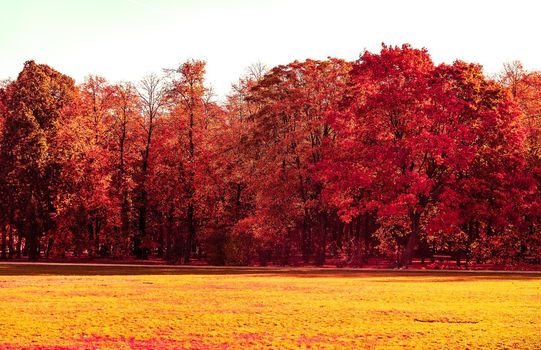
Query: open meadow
x=123, y=307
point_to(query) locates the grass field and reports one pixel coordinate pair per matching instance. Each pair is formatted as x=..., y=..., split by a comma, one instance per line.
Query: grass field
x=110, y=307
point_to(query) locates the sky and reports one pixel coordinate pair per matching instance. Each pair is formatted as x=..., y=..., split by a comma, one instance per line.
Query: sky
x=123, y=40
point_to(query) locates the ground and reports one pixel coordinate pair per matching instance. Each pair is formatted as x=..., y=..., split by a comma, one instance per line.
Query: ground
x=120, y=307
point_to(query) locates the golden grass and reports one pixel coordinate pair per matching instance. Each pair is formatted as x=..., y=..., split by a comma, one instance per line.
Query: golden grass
x=137, y=307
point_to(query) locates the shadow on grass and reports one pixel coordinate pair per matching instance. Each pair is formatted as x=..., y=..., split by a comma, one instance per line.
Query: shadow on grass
x=108, y=270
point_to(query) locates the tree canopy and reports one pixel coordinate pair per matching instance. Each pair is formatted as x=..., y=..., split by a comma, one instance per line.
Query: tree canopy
x=322, y=160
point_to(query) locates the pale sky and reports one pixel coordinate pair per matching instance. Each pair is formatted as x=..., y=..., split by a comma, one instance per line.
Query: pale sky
x=126, y=39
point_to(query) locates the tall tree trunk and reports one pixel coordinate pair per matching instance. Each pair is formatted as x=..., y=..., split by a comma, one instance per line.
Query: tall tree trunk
x=190, y=241
x=366, y=236
x=138, y=250
x=190, y=212
x=169, y=234
x=124, y=193
x=4, y=243
x=306, y=240
x=472, y=229
x=322, y=241
x=141, y=252
x=19, y=240
x=10, y=242
x=90, y=246
x=50, y=244
x=285, y=245
x=357, y=254
x=32, y=243
x=97, y=229
x=412, y=239
x=161, y=239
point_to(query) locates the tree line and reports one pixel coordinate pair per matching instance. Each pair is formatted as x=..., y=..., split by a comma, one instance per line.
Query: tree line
x=391, y=156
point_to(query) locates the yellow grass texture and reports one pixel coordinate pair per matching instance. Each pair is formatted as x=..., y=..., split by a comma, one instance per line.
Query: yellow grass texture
x=266, y=309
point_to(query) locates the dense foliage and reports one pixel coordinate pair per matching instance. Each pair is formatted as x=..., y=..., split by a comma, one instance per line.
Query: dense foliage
x=388, y=156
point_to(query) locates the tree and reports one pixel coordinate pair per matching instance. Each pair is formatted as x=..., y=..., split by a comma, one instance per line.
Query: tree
x=190, y=112
x=4, y=207
x=418, y=134
x=153, y=95
x=125, y=134
x=525, y=87
x=34, y=104
x=289, y=130
x=96, y=98
x=98, y=144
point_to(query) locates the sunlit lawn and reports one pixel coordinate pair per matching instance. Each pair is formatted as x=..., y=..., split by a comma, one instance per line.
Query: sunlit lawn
x=74, y=307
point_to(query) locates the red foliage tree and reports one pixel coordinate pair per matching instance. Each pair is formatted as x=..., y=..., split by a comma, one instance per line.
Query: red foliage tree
x=289, y=129
x=410, y=136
